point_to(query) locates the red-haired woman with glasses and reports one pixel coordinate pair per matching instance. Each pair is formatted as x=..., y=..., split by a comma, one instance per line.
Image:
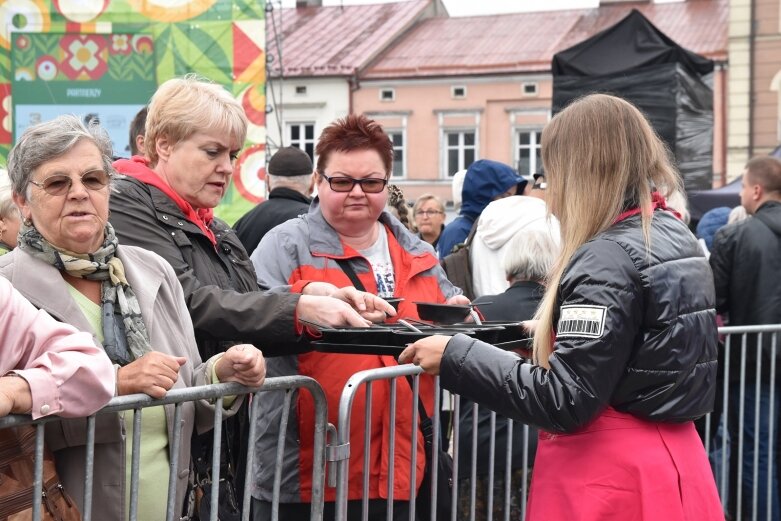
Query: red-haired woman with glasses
x=347, y=224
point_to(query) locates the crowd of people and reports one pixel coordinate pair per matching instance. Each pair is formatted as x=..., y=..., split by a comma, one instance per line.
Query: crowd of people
x=119, y=280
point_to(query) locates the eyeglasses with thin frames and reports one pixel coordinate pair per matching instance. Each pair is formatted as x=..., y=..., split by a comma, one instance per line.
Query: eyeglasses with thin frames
x=369, y=185
x=428, y=213
x=60, y=184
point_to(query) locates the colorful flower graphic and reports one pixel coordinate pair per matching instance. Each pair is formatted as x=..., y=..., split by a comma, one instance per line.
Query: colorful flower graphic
x=46, y=67
x=22, y=16
x=142, y=44
x=5, y=113
x=84, y=56
x=23, y=74
x=22, y=42
x=120, y=44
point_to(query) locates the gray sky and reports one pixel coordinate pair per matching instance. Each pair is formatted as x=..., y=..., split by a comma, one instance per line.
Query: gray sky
x=479, y=7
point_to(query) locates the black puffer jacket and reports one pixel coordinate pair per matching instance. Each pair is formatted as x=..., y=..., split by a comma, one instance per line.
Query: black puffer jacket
x=746, y=263
x=220, y=285
x=635, y=332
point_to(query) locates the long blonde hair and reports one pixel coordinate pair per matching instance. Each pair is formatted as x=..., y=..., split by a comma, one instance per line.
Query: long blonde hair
x=598, y=153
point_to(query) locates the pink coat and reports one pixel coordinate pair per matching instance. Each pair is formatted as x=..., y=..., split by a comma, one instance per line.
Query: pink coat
x=68, y=375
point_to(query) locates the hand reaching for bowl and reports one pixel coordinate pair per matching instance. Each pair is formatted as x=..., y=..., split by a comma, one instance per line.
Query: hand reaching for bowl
x=326, y=304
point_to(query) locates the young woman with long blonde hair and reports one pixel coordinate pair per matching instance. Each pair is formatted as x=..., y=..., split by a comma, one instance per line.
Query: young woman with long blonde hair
x=625, y=342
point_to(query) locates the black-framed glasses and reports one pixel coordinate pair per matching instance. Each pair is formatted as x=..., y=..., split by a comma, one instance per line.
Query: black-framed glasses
x=369, y=185
x=428, y=213
x=60, y=184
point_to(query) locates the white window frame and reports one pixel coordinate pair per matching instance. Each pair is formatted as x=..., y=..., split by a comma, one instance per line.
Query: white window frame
x=392, y=93
x=453, y=91
x=303, y=141
x=530, y=84
x=403, y=148
x=533, y=146
x=444, y=129
x=461, y=147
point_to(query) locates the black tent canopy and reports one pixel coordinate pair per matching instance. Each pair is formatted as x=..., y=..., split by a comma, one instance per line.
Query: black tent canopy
x=671, y=85
x=700, y=201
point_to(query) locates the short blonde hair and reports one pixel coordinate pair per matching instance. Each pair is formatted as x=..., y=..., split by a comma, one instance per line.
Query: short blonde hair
x=182, y=106
x=428, y=197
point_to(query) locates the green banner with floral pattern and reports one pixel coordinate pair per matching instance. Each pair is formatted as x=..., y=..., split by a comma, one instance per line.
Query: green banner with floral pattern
x=104, y=59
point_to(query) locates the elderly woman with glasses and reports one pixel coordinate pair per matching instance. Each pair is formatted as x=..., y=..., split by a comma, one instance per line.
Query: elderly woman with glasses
x=429, y=218
x=347, y=238
x=68, y=262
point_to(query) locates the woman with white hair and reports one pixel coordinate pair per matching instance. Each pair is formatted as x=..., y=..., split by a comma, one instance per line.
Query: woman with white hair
x=528, y=257
x=10, y=220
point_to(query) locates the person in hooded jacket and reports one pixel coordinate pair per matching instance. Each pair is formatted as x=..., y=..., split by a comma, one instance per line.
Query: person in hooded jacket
x=501, y=221
x=485, y=181
x=625, y=341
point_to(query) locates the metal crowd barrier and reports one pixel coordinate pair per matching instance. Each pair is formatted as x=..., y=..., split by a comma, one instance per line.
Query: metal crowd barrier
x=740, y=345
x=741, y=505
x=216, y=393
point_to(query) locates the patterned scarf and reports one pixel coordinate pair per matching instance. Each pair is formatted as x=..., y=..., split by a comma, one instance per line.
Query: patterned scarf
x=124, y=331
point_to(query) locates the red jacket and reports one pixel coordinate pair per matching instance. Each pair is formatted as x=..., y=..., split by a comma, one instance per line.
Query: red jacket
x=304, y=249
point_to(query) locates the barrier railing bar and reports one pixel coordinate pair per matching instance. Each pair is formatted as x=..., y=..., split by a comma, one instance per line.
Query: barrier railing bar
x=89, y=465
x=413, y=469
x=38, y=473
x=508, y=472
x=491, y=464
x=391, y=451
x=283, y=422
x=771, y=431
x=253, y=414
x=173, y=472
x=367, y=445
x=757, y=403
x=723, y=493
x=216, y=450
x=135, y=463
x=435, y=448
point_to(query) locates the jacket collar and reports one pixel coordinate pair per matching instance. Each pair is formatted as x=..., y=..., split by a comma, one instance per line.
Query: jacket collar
x=283, y=192
x=324, y=241
x=43, y=285
x=164, y=205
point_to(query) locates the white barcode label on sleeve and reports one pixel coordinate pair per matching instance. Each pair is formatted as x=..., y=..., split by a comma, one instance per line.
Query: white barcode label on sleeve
x=581, y=321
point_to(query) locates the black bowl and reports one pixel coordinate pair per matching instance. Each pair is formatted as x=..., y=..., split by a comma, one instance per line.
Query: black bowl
x=394, y=302
x=442, y=313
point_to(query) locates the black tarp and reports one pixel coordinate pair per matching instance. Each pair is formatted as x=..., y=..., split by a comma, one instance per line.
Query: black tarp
x=671, y=85
x=700, y=201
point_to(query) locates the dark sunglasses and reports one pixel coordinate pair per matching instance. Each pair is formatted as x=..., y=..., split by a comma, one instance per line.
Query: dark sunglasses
x=60, y=184
x=346, y=184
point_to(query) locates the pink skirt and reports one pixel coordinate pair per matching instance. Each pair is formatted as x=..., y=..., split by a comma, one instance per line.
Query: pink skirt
x=622, y=468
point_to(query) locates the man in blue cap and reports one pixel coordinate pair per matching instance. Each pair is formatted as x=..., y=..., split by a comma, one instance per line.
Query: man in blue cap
x=485, y=181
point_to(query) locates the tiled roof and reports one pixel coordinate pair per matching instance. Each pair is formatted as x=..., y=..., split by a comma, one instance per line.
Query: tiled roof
x=526, y=42
x=333, y=40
